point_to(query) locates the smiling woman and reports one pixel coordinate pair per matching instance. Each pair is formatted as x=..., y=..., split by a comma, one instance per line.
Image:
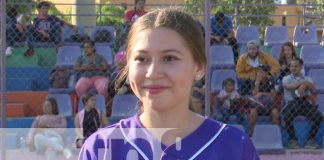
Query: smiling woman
x=165, y=56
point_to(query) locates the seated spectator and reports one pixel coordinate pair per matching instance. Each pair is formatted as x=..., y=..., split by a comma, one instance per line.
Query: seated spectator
x=42, y=135
x=15, y=32
x=247, y=66
x=46, y=28
x=287, y=54
x=263, y=95
x=138, y=11
x=89, y=119
x=228, y=101
x=93, y=71
x=198, y=96
x=223, y=33
x=297, y=89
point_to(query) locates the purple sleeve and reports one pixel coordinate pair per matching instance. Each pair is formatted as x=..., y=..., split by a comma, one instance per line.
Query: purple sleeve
x=249, y=152
x=87, y=151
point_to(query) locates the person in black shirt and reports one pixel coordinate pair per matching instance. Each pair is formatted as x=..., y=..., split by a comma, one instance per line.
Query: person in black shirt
x=263, y=98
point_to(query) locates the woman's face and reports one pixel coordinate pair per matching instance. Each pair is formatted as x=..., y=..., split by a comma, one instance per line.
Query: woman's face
x=91, y=102
x=287, y=51
x=47, y=107
x=162, y=69
x=88, y=49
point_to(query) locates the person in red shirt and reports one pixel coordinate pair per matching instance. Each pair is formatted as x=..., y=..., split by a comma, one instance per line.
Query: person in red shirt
x=138, y=11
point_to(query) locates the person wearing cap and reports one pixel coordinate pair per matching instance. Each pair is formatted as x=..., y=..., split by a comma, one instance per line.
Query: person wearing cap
x=247, y=65
x=222, y=32
x=138, y=11
x=297, y=91
x=263, y=94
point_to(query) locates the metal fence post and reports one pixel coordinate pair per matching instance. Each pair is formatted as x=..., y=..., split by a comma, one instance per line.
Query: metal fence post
x=207, y=46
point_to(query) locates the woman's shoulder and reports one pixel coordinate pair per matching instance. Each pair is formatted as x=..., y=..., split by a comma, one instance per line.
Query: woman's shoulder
x=227, y=130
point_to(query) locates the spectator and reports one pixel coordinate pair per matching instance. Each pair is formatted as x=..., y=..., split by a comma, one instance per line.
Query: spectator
x=89, y=119
x=297, y=89
x=46, y=28
x=287, y=54
x=42, y=134
x=14, y=31
x=228, y=101
x=247, y=66
x=222, y=32
x=263, y=96
x=93, y=71
x=165, y=56
x=138, y=11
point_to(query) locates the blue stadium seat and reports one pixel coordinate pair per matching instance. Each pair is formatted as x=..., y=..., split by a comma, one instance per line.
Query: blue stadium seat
x=106, y=52
x=218, y=76
x=246, y=33
x=67, y=56
x=111, y=30
x=275, y=35
x=313, y=56
x=275, y=51
x=64, y=103
x=100, y=103
x=124, y=106
x=222, y=57
x=268, y=139
x=27, y=78
x=317, y=76
x=68, y=32
x=304, y=35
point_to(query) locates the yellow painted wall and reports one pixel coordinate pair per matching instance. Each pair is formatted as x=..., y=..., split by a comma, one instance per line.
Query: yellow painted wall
x=291, y=21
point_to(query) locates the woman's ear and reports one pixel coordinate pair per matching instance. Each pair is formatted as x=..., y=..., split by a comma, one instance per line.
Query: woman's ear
x=200, y=72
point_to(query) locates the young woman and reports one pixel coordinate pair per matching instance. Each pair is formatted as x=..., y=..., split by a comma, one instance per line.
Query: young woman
x=42, y=134
x=165, y=55
x=89, y=119
x=287, y=54
x=93, y=71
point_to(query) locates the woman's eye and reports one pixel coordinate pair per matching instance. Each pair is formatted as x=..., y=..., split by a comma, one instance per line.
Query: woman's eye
x=170, y=58
x=141, y=59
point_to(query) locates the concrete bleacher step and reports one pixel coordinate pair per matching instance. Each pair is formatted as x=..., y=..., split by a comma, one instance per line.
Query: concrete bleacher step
x=16, y=109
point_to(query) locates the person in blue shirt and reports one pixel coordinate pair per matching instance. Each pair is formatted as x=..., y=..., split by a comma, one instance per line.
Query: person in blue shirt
x=165, y=56
x=222, y=32
x=46, y=28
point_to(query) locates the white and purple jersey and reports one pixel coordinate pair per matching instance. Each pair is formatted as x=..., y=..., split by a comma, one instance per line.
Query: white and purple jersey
x=128, y=139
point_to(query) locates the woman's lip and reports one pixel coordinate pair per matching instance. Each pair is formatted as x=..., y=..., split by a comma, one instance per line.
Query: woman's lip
x=154, y=89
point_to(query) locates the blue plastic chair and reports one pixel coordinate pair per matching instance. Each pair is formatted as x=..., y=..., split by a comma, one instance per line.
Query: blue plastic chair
x=222, y=57
x=304, y=35
x=111, y=30
x=106, y=52
x=317, y=76
x=246, y=33
x=124, y=106
x=313, y=56
x=67, y=56
x=275, y=35
x=267, y=138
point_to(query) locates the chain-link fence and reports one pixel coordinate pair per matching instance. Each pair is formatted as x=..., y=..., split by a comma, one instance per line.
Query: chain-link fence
x=256, y=80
